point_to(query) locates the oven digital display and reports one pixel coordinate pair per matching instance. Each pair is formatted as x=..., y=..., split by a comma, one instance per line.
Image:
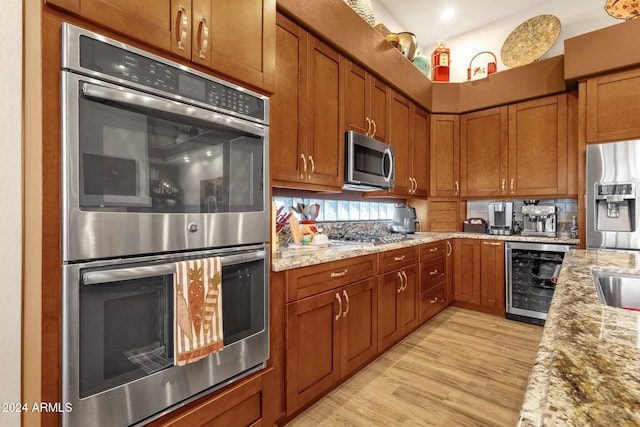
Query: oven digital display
x=192, y=87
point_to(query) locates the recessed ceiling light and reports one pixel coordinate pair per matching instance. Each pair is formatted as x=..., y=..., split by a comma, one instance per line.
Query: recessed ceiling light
x=447, y=14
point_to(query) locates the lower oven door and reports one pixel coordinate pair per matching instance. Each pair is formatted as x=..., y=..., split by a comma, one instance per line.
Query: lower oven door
x=118, y=335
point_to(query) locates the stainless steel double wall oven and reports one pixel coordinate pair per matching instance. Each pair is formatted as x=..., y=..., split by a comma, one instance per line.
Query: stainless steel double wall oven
x=161, y=164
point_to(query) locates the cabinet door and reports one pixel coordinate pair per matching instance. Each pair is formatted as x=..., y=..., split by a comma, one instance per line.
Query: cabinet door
x=492, y=285
x=538, y=147
x=356, y=98
x=613, y=102
x=242, y=40
x=379, y=109
x=484, y=153
x=313, y=347
x=165, y=24
x=359, y=325
x=399, y=131
x=449, y=273
x=467, y=270
x=325, y=117
x=287, y=137
x=389, y=328
x=420, y=151
x=408, y=300
x=445, y=155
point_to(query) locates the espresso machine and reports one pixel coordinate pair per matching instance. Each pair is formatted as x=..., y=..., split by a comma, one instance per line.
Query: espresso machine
x=500, y=217
x=539, y=221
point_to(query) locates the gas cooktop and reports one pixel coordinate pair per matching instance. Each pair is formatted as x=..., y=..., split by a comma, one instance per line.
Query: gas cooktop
x=367, y=237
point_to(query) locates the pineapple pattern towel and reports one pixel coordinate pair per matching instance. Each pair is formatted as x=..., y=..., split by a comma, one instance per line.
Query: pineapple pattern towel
x=198, y=309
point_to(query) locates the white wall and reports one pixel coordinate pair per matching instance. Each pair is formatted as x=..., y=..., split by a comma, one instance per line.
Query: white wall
x=11, y=205
x=576, y=17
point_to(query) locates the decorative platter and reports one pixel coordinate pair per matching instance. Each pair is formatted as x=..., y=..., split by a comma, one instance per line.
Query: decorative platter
x=530, y=40
x=623, y=9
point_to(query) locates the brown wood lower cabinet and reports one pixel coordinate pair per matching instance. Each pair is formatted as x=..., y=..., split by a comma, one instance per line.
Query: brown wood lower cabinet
x=433, y=279
x=328, y=336
x=397, y=306
x=479, y=275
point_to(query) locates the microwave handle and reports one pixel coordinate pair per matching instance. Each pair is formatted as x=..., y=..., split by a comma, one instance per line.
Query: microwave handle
x=387, y=153
x=120, y=274
x=155, y=103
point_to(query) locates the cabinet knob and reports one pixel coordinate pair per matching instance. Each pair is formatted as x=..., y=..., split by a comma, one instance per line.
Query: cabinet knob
x=434, y=272
x=433, y=301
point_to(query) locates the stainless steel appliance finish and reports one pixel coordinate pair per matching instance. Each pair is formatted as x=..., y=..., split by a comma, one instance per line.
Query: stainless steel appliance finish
x=405, y=220
x=613, y=179
x=156, y=157
x=539, y=221
x=500, y=217
x=532, y=270
x=368, y=163
x=114, y=308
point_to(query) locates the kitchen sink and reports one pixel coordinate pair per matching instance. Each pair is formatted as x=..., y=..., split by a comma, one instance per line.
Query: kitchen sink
x=618, y=289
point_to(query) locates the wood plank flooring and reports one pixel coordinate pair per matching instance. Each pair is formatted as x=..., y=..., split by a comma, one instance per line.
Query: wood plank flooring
x=461, y=368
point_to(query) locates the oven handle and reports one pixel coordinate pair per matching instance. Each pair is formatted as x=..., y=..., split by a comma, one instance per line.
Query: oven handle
x=156, y=103
x=120, y=274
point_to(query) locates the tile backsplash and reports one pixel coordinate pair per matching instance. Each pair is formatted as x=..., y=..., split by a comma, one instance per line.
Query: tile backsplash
x=567, y=208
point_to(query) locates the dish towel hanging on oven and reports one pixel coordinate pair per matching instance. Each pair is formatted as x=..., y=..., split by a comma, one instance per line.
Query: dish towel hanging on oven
x=198, y=309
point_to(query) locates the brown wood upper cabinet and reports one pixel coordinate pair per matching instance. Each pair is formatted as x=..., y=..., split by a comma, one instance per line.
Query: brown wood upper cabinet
x=520, y=150
x=419, y=152
x=445, y=155
x=366, y=103
x=307, y=132
x=613, y=102
x=236, y=38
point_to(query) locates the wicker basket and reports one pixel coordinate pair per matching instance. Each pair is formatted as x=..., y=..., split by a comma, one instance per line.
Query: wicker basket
x=364, y=9
x=480, y=72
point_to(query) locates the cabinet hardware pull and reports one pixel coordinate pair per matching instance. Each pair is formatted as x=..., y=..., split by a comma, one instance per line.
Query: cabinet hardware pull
x=182, y=25
x=457, y=188
x=434, y=272
x=415, y=181
x=375, y=128
x=368, y=121
x=503, y=184
x=346, y=297
x=513, y=181
x=339, y=306
x=399, y=258
x=450, y=248
x=435, y=249
x=406, y=281
x=203, y=38
x=313, y=166
x=491, y=243
x=339, y=274
x=433, y=301
x=304, y=166
x=401, y=281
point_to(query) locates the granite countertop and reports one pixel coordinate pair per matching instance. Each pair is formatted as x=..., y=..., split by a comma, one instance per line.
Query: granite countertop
x=587, y=369
x=288, y=259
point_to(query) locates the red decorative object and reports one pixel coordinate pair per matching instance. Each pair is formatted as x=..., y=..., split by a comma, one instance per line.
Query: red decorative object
x=480, y=72
x=440, y=60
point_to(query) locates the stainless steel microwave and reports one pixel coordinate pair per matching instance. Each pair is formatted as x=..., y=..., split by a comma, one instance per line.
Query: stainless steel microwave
x=368, y=163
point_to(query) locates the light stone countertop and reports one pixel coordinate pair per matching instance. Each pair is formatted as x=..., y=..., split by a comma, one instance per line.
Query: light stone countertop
x=587, y=369
x=287, y=259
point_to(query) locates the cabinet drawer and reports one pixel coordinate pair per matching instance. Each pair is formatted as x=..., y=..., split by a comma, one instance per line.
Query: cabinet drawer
x=397, y=258
x=432, y=302
x=432, y=272
x=432, y=250
x=307, y=281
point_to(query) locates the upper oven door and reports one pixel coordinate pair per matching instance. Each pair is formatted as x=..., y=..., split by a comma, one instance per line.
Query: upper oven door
x=145, y=174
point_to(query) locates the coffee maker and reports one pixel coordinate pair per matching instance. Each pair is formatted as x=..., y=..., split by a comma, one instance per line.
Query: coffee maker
x=500, y=217
x=539, y=221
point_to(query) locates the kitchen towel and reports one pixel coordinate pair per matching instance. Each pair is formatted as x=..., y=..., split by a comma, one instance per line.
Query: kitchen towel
x=198, y=309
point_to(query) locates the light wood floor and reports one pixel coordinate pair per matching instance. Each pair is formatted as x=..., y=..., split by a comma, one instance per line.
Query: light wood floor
x=461, y=368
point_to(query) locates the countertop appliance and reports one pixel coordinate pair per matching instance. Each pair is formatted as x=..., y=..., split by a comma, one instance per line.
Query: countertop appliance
x=161, y=164
x=404, y=220
x=368, y=163
x=613, y=178
x=532, y=270
x=539, y=221
x=500, y=217
x=156, y=157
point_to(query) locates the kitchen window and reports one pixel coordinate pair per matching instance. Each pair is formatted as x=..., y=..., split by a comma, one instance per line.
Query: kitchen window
x=342, y=210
